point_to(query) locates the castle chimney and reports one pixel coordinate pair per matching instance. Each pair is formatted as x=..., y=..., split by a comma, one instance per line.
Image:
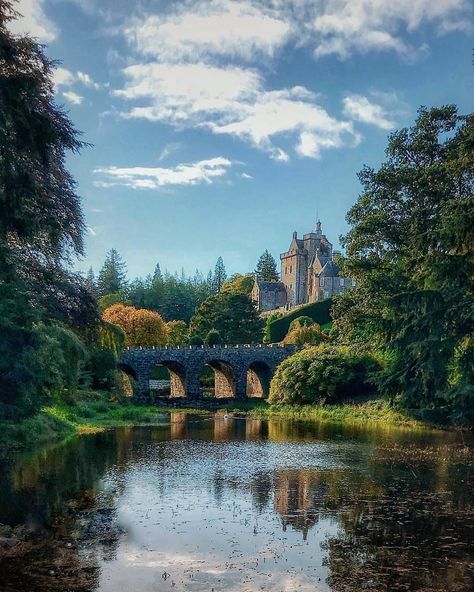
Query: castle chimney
x=295, y=234
x=318, y=227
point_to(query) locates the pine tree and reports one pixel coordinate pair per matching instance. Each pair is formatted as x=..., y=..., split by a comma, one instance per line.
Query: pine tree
x=219, y=277
x=112, y=276
x=266, y=269
x=91, y=281
x=157, y=275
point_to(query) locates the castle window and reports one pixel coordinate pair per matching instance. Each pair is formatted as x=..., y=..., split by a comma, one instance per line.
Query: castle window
x=291, y=268
x=341, y=281
x=321, y=281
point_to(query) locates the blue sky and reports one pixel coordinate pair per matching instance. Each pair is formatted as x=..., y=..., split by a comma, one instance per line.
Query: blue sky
x=219, y=127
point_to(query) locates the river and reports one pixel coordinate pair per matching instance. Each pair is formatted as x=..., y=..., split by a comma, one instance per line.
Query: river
x=222, y=504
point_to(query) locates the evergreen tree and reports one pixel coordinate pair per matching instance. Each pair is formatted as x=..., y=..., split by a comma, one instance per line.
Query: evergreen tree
x=232, y=314
x=112, y=276
x=91, y=282
x=266, y=269
x=157, y=275
x=219, y=276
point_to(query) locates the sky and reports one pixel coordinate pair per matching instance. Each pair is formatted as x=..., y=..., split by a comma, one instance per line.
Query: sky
x=218, y=127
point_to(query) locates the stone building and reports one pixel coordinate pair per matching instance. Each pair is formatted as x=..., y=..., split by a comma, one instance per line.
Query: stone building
x=308, y=274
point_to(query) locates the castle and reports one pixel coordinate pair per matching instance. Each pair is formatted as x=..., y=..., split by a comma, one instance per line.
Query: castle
x=308, y=274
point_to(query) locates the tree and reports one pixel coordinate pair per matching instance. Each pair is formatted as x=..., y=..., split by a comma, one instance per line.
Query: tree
x=157, y=275
x=231, y=314
x=410, y=248
x=266, y=269
x=219, y=276
x=213, y=338
x=239, y=283
x=91, y=281
x=304, y=331
x=41, y=221
x=140, y=326
x=112, y=276
x=178, y=333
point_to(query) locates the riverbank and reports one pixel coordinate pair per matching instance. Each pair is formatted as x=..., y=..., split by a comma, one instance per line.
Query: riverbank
x=97, y=411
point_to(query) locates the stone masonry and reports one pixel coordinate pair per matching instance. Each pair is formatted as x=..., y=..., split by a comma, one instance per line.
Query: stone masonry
x=240, y=371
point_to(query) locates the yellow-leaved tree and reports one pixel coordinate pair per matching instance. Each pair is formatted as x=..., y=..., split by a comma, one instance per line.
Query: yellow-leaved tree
x=139, y=325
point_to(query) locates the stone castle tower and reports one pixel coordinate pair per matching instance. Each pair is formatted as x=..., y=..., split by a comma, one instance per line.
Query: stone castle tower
x=308, y=274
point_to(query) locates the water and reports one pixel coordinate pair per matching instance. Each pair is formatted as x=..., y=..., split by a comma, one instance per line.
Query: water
x=221, y=504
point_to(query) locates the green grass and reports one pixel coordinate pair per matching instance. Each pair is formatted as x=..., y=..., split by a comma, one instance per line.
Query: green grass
x=95, y=412
x=373, y=411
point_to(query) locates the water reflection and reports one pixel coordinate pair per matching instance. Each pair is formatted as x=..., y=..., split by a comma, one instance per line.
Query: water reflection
x=203, y=503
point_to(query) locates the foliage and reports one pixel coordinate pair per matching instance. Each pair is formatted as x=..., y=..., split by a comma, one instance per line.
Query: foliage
x=109, y=300
x=319, y=312
x=219, y=276
x=112, y=277
x=56, y=364
x=140, y=326
x=266, y=269
x=303, y=333
x=175, y=298
x=177, y=332
x=231, y=314
x=324, y=374
x=273, y=316
x=299, y=322
x=41, y=229
x=213, y=338
x=196, y=340
x=410, y=248
x=239, y=283
x=102, y=366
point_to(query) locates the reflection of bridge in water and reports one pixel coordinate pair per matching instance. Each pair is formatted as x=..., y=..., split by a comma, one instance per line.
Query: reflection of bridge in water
x=239, y=371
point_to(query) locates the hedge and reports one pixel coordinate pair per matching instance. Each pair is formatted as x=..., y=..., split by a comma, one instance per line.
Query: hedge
x=277, y=329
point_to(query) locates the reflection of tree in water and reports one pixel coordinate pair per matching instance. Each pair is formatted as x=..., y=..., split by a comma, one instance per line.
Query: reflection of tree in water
x=66, y=556
x=417, y=536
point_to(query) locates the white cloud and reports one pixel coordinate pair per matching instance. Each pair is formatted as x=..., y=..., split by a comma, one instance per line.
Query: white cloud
x=203, y=171
x=33, y=21
x=230, y=101
x=342, y=27
x=91, y=231
x=210, y=28
x=246, y=176
x=361, y=109
x=64, y=77
x=86, y=80
x=73, y=97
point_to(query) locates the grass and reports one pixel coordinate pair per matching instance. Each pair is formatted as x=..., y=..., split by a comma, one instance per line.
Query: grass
x=94, y=412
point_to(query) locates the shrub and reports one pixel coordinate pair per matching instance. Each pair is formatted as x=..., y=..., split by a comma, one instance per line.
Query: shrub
x=196, y=340
x=319, y=312
x=323, y=374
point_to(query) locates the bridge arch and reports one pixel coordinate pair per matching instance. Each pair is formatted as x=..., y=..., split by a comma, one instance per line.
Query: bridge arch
x=178, y=377
x=224, y=378
x=259, y=375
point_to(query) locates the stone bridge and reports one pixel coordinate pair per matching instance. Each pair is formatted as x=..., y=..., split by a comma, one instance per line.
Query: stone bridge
x=239, y=371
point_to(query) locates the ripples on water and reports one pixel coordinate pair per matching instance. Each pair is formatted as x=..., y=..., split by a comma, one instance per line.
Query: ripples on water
x=208, y=504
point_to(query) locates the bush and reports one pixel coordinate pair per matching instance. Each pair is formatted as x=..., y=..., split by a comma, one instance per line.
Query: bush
x=196, y=340
x=324, y=374
x=319, y=312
